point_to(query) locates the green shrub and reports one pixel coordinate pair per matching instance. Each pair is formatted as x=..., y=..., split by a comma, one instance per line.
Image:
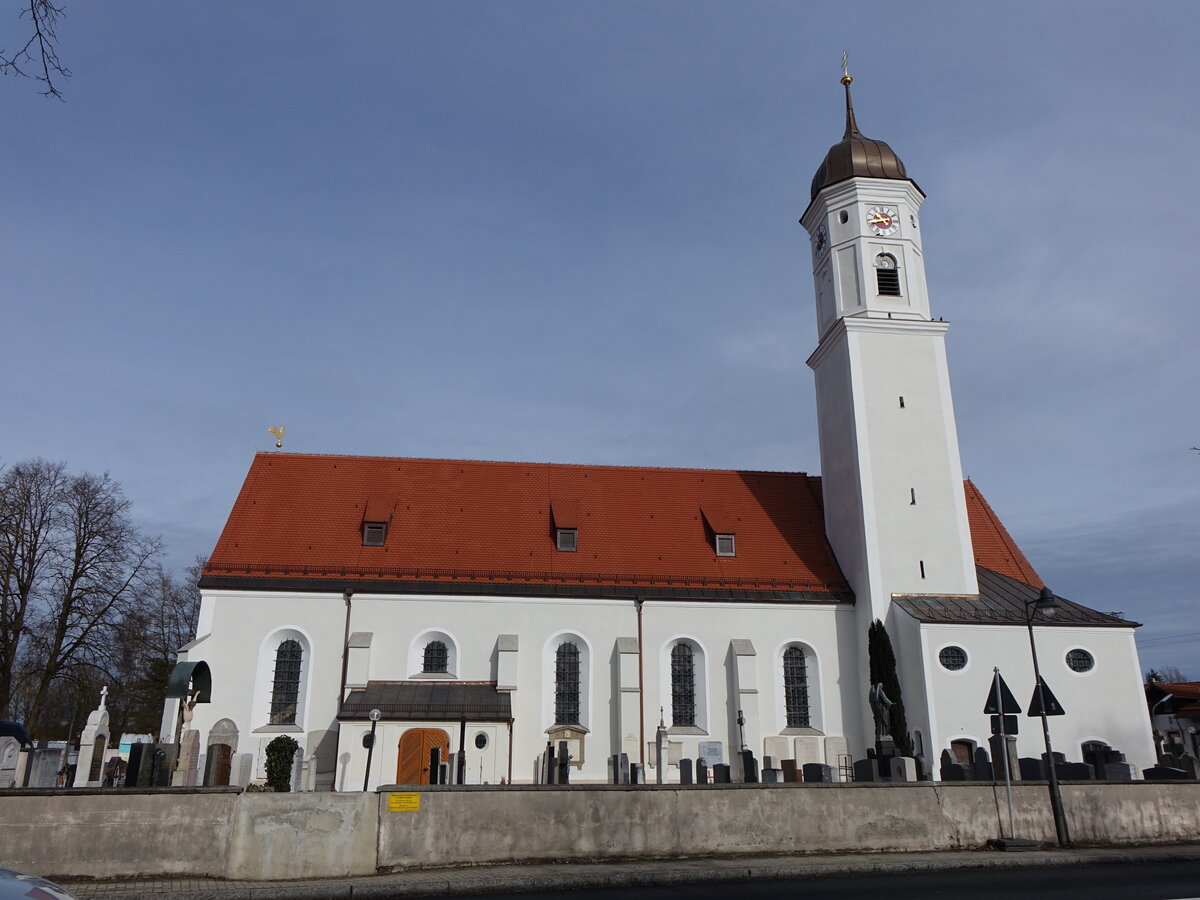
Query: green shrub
x=281, y=752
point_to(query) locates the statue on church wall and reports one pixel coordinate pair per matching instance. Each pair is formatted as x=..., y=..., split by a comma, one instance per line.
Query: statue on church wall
x=881, y=705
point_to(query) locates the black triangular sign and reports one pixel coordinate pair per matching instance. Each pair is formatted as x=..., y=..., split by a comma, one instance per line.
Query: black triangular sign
x=1053, y=707
x=1007, y=700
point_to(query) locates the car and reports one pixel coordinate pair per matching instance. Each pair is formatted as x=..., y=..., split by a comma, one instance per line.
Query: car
x=16, y=885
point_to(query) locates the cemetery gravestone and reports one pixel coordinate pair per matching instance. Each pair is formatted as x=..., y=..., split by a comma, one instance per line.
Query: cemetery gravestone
x=818, y=772
x=865, y=770
x=982, y=768
x=685, y=771
x=749, y=767
x=904, y=768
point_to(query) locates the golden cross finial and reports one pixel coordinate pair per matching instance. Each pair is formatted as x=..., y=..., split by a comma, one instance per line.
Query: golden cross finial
x=277, y=433
x=846, y=78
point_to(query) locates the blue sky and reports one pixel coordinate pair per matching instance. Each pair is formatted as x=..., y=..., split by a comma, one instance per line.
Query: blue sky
x=567, y=232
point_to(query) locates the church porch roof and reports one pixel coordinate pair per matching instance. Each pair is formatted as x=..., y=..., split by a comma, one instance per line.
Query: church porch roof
x=1002, y=601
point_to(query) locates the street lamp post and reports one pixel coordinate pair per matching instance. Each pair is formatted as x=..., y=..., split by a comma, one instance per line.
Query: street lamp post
x=369, y=742
x=1048, y=604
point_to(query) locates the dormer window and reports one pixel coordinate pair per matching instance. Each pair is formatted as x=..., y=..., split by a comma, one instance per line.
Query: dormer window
x=725, y=545
x=887, y=275
x=565, y=521
x=567, y=539
x=374, y=534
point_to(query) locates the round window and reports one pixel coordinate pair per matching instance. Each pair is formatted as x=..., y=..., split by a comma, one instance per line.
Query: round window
x=480, y=741
x=953, y=658
x=1080, y=660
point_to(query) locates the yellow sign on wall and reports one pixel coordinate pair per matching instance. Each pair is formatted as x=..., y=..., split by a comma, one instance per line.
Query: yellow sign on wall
x=404, y=803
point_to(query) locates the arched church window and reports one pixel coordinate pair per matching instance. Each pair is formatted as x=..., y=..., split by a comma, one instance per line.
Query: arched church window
x=285, y=688
x=683, y=685
x=887, y=275
x=437, y=657
x=566, y=684
x=795, y=688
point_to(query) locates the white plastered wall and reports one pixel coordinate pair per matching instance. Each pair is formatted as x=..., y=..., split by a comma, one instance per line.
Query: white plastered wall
x=1104, y=704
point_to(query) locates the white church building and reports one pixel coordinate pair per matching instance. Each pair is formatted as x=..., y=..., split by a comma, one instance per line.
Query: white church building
x=521, y=603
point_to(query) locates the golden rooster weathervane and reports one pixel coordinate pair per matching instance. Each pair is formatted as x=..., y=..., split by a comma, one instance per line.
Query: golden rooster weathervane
x=277, y=433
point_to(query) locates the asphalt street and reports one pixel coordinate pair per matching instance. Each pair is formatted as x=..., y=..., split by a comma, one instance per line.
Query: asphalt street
x=1166, y=881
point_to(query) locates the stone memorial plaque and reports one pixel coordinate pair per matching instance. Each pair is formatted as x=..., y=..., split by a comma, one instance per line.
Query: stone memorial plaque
x=776, y=748
x=809, y=748
x=835, y=749
x=712, y=752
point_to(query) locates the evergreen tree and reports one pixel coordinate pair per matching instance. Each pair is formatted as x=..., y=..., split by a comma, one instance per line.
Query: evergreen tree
x=882, y=662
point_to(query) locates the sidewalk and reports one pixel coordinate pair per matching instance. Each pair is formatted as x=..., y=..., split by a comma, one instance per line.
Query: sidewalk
x=568, y=876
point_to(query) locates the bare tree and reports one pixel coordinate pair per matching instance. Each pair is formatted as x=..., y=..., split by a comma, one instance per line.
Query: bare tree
x=30, y=517
x=73, y=569
x=38, y=58
x=101, y=566
x=148, y=644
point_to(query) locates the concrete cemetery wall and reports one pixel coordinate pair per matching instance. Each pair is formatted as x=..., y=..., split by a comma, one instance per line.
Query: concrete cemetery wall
x=523, y=823
x=219, y=832
x=304, y=835
x=111, y=833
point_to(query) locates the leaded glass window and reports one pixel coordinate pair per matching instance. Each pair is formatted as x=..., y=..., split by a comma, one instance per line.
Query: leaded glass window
x=566, y=684
x=285, y=689
x=1080, y=660
x=795, y=688
x=953, y=658
x=683, y=685
x=437, y=657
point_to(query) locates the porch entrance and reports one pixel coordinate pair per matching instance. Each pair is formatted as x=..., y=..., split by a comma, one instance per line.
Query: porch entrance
x=412, y=762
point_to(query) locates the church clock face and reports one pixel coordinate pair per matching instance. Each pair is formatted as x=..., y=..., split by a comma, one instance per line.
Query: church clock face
x=820, y=241
x=883, y=219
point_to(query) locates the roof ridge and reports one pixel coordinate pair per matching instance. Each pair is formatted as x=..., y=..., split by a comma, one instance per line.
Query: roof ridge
x=516, y=462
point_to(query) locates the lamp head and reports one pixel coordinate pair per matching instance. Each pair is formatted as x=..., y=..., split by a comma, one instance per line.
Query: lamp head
x=375, y=715
x=1047, y=604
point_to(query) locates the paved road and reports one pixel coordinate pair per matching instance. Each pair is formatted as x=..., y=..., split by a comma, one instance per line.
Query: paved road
x=1159, y=881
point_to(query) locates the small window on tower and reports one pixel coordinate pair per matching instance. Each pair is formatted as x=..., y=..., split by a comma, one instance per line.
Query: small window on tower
x=887, y=275
x=725, y=545
x=567, y=540
x=374, y=534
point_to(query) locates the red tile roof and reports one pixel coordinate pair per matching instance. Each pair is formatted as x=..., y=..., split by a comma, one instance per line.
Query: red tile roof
x=994, y=547
x=300, y=517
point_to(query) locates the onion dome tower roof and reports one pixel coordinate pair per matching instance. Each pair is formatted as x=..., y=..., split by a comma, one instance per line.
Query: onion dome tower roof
x=856, y=156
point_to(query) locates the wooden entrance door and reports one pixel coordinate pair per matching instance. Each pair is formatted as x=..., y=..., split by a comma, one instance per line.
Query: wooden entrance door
x=412, y=763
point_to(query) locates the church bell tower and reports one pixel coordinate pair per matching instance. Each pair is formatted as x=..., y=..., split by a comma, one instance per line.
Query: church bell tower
x=895, y=512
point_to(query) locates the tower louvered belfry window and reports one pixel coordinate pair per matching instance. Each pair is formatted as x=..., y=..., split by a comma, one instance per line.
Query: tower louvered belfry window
x=437, y=657
x=566, y=684
x=683, y=685
x=887, y=275
x=285, y=688
x=795, y=688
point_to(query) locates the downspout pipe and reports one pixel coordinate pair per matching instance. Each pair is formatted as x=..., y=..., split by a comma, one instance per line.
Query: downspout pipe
x=347, y=596
x=641, y=685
